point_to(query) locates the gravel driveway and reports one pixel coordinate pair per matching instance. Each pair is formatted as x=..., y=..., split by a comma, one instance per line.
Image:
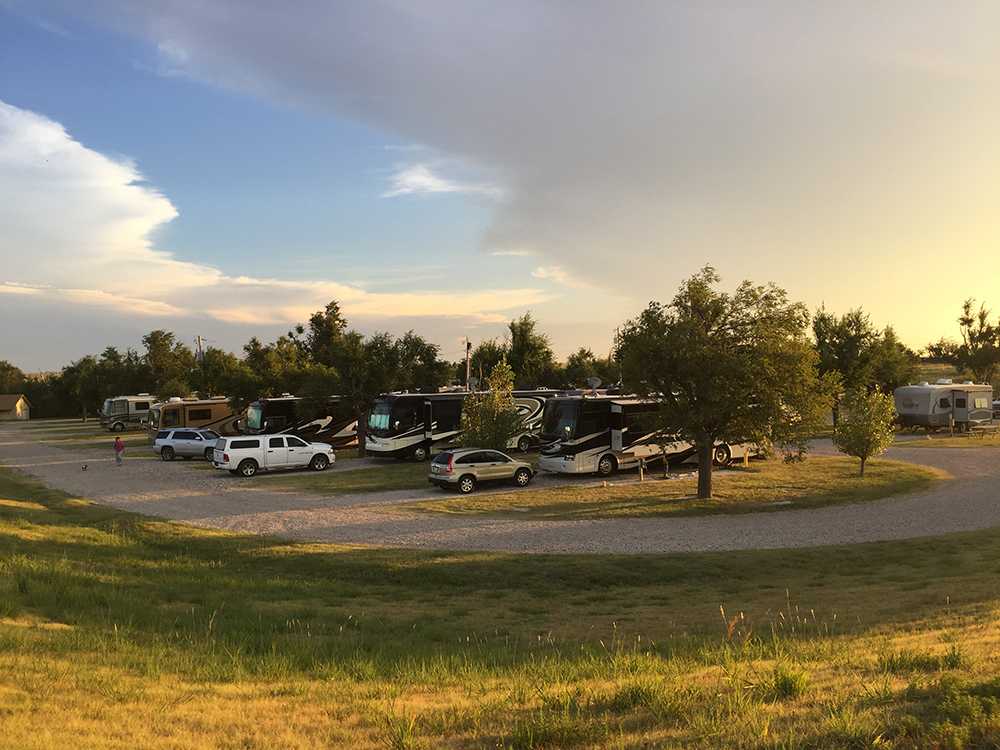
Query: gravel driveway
x=216, y=500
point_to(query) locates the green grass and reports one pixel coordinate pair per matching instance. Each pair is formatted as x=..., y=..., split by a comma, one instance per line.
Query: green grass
x=124, y=631
x=393, y=475
x=944, y=440
x=764, y=486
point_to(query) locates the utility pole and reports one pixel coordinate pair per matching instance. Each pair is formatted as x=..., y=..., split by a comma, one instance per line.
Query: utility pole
x=199, y=352
x=468, y=361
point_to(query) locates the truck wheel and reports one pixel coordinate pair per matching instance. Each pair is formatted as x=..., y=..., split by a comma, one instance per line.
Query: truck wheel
x=247, y=467
x=209, y=454
x=607, y=465
x=319, y=463
x=522, y=477
x=721, y=456
x=167, y=453
x=420, y=453
x=524, y=444
x=466, y=484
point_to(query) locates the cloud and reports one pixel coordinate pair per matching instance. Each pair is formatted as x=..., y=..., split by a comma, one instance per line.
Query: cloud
x=77, y=228
x=778, y=140
x=560, y=276
x=421, y=179
x=513, y=253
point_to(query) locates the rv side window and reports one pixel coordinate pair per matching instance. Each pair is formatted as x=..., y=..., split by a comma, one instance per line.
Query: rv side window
x=171, y=417
x=142, y=406
x=945, y=403
x=593, y=418
x=982, y=403
x=959, y=403
x=447, y=413
x=199, y=415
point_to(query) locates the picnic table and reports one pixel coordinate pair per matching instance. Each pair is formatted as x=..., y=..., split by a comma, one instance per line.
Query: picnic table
x=982, y=430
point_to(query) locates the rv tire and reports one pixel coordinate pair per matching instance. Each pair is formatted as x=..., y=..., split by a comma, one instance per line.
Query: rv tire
x=420, y=453
x=524, y=444
x=722, y=455
x=607, y=465
x=118, y=427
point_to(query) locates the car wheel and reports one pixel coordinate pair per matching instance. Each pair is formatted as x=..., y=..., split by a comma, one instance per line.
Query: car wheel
x=606, y=466
x=419, y=453
x=522, y=477
x=524, y=444
x=319, y=463
x=466, y=484
x=209, y=454
x=721, y=456
x=167, y=453
x=247, y=467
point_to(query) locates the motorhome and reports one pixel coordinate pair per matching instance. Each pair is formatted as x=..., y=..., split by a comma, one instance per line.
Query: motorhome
x=212, y=413
x=602, y=434
x=416, y=425
x=287, y=414
x=944, y=405
x=125, y=412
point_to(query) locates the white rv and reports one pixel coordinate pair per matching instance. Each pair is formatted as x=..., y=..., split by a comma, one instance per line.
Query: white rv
x=944, y=404
x=125, y=412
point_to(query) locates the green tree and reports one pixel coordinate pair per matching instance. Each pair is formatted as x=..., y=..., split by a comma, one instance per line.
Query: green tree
x=168, y=359
x=583, y=364
x=485, y=357
x=216, y=370
x=979, y=352
x=726, y=367
x=490, y=418
x=174, y=387
x=419, y=366
x=81, y=381
x=11, y=378
x=866, y=429
x=325, y=334
x=893, y=363
x=529, y=353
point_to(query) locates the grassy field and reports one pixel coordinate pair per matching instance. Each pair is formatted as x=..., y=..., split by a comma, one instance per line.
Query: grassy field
x=123, y=631
x=765, y=485
x=393, y=475
x=950, y=441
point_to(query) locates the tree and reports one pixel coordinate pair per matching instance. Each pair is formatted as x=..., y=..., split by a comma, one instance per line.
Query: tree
x=11, y=378
x=979, y=352
x=82, y=383
x=167, y=358
x=892, y=363
x=529, y=353
x=216, y=370
x=325, y=335
x=485, y=357
x=582, y=365
x=726, y=367
x=419, y=368
x=172, y=388
x=490, y=418
x=866, y=430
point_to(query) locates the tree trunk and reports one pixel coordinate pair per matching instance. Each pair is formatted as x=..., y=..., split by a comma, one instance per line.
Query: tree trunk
x=705, y=469
x=362, y=426
x=863, y=466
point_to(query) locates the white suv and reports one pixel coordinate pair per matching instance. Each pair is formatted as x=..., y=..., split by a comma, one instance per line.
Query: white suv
x=248, y=454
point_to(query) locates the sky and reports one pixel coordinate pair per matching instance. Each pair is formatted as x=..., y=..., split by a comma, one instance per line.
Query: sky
x=226, y=167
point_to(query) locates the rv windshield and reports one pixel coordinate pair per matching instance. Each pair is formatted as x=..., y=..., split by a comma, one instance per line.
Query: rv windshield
x=154, y=417
x=106, y=409
x=255, y=417
x=378, y=419
x=560, y=419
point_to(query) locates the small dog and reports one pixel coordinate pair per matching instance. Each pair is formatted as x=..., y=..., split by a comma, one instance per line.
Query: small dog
x=84, y=467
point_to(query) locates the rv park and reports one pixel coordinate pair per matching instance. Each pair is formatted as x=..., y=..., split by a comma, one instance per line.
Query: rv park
x=523, y=375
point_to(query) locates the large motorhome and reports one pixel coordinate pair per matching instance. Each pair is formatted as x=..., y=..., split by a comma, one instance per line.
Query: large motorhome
x=211, y=413
x=290, y=414
x=601, y=434
x=944, y=404
x=125, y=412
x=415, y=425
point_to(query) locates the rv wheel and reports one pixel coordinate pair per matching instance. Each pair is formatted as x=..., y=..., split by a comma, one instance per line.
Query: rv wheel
x=118, y=427
x=606, y=466
x=721, y=456
x=524, y=444
x=419, y=453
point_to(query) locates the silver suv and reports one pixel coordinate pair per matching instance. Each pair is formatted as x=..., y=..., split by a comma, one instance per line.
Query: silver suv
x=464, y=468
x=185, y=442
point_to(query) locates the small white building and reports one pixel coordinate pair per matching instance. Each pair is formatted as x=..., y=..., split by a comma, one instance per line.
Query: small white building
x=944, y=403
x=14, y=407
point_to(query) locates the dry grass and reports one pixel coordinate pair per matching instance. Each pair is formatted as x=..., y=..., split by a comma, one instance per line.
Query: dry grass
x=123, y=631
x=764, y=486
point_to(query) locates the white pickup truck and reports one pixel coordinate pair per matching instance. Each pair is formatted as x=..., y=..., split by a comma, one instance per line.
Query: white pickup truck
x=248, y=454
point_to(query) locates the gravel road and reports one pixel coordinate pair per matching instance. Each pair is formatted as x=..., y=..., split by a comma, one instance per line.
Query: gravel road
x=216, y=500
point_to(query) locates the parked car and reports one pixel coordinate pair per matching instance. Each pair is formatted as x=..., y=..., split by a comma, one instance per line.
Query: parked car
x=247, y=455
x=463, y=469
x=169, y=444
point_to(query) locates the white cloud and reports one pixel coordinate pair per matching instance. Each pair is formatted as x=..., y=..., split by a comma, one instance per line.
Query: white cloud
x=77, y=230
x=513, y=253
x=559, y=275
x=418, y=179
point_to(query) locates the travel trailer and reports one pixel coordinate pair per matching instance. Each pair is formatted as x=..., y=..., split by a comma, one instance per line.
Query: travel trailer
x=601, y=434
x=416, y=425
x=944, y=405
x=289, y=414
x=125, y=412
x=212, y=413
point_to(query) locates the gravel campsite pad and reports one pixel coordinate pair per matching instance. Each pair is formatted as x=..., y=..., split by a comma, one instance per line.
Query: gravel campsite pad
x=215, y=499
